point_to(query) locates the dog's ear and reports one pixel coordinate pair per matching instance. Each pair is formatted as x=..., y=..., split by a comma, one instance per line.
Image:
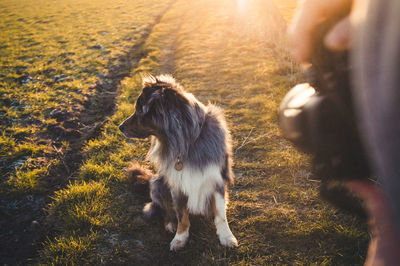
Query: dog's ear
x=148, y=80
x=156, y=95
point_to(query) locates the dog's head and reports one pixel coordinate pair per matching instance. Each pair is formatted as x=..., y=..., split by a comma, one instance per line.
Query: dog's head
x=162, y=107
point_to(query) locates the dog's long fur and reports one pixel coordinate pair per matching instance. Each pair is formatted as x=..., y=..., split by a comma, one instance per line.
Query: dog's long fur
x=186, y=132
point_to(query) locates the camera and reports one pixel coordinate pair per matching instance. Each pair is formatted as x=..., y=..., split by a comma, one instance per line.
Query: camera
x=318, y=117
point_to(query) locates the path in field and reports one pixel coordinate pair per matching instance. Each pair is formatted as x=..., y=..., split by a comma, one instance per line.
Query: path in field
x=232, y=53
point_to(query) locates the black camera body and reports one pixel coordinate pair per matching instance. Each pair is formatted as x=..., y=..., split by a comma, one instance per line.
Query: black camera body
x=318, y=117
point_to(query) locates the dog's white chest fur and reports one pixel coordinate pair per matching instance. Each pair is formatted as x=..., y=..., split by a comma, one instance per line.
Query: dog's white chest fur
x=197, y=185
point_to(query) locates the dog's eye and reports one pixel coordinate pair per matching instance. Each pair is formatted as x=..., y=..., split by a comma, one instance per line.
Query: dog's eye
x=139, y=108
x=139, y=111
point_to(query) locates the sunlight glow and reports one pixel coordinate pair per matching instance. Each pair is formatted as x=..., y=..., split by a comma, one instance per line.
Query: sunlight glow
x=305, y=92
x=241, y=5
x=291, y=112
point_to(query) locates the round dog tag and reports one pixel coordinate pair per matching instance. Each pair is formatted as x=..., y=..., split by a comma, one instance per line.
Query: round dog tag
x=178, y=166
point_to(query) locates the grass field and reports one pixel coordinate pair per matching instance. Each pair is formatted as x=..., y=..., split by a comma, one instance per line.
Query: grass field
x=70, y=72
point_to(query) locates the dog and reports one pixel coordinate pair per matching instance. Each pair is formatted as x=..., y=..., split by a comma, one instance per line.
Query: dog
x=191, y=150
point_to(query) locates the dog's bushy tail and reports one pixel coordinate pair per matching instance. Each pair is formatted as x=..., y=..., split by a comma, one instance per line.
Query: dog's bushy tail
x=139, y=178
x=140, y=181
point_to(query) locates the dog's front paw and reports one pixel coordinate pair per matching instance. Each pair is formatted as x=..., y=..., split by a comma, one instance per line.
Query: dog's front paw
x=179, y=241
x=228, y=240
x=170, y=227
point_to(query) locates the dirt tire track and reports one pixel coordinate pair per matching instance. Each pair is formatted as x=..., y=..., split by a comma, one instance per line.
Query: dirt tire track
x=167, y=58
x=22, y=237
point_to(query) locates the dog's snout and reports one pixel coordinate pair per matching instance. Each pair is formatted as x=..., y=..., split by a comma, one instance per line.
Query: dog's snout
x=133, y=128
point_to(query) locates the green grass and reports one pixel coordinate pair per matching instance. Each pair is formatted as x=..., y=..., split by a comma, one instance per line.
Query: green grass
x=52, y=57
x=81, y=206
x=217, y=54
x=67, y=249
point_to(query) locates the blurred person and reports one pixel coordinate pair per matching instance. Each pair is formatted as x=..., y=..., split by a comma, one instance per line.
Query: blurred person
x=370, y=30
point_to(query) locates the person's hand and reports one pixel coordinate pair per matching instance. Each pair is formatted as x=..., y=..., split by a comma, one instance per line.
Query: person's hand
x=309, y=15
x=384, y=246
